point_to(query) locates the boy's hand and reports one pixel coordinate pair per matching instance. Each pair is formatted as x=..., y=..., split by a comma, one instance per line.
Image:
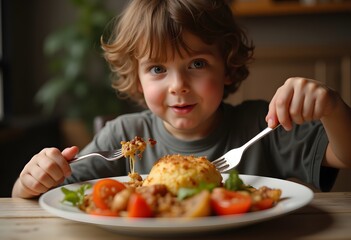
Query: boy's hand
x=300, y=100
x=45, y=170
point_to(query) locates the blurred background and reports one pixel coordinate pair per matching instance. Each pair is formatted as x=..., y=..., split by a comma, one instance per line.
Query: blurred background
x=54, y=80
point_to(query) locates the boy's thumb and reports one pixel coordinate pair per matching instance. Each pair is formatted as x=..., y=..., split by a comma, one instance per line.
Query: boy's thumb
x=271, y=120
x=71, y=152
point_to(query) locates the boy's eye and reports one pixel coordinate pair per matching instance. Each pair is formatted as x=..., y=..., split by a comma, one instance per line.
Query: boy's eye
x=157, y=70
x=198, y=64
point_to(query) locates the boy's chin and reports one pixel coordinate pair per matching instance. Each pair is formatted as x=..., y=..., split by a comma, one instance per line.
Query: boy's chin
x=185, y=130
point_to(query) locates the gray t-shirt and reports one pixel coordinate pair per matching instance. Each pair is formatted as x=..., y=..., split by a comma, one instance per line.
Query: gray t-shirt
x=280, y=154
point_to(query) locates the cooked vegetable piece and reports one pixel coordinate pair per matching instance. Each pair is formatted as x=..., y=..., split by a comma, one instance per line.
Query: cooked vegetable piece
x=198, y=205
x=138, y=207
x=225, y=202
x=234, y=182
x=262, y=204
x=120, y=200
x=104, y=190
x=188, y=192
x=75, y=197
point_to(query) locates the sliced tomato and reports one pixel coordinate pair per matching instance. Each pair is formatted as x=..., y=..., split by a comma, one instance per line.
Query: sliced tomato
x=263, y=204
x=104, y=190
x=226, y=202
x=138, y=207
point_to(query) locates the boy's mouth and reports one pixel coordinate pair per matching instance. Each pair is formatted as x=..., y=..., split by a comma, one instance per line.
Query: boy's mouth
x=183, y=109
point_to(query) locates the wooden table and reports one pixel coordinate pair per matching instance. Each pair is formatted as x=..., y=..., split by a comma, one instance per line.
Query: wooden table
x=327, y=217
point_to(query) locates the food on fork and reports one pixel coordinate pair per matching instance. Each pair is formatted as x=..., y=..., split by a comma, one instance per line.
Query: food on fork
x=177, y=186
x=133, y=148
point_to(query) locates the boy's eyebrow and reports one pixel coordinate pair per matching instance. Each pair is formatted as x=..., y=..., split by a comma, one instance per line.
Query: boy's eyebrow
x=147, y=61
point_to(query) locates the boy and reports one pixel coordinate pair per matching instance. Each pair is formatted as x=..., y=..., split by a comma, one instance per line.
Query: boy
x=181, y=58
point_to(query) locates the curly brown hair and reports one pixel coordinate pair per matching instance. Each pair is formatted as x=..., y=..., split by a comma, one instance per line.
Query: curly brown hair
x=146, y=27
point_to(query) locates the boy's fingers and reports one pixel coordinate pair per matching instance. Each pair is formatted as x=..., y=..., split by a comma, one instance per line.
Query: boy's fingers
x=296, y=107
x=56, y=155
x=308, y=110
x=271, y=117
x=44, y=178
x=281, y=103
x=283, y=113
x=49, y=173
x=31, y=185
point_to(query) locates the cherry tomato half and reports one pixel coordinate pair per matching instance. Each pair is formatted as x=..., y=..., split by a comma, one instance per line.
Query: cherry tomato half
x=225, y=202
x=138, y=207
x=263, y=204
x=104, y=190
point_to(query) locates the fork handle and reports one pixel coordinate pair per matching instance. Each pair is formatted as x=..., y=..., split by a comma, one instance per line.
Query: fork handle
x=76, y=159
x=263, y=133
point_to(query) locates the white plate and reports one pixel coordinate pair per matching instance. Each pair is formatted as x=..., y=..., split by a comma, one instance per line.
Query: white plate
x=294, y=196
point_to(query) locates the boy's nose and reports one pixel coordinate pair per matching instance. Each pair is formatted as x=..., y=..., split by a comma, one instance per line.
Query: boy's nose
x=179, y=84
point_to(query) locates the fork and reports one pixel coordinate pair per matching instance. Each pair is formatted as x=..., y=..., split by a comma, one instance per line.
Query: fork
x=232, y=158
x=107, y=155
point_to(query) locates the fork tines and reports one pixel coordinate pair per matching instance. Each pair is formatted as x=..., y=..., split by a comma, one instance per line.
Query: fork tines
x=220, y=164
x=118, y=152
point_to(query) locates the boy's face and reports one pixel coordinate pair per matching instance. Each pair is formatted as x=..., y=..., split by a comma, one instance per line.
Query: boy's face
x=185, y=92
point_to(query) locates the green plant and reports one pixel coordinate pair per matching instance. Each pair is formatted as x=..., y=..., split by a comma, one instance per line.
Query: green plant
x=80, y=86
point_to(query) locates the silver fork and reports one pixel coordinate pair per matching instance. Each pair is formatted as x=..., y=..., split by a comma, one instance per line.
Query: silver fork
x=232, y=158
x=107, y=155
